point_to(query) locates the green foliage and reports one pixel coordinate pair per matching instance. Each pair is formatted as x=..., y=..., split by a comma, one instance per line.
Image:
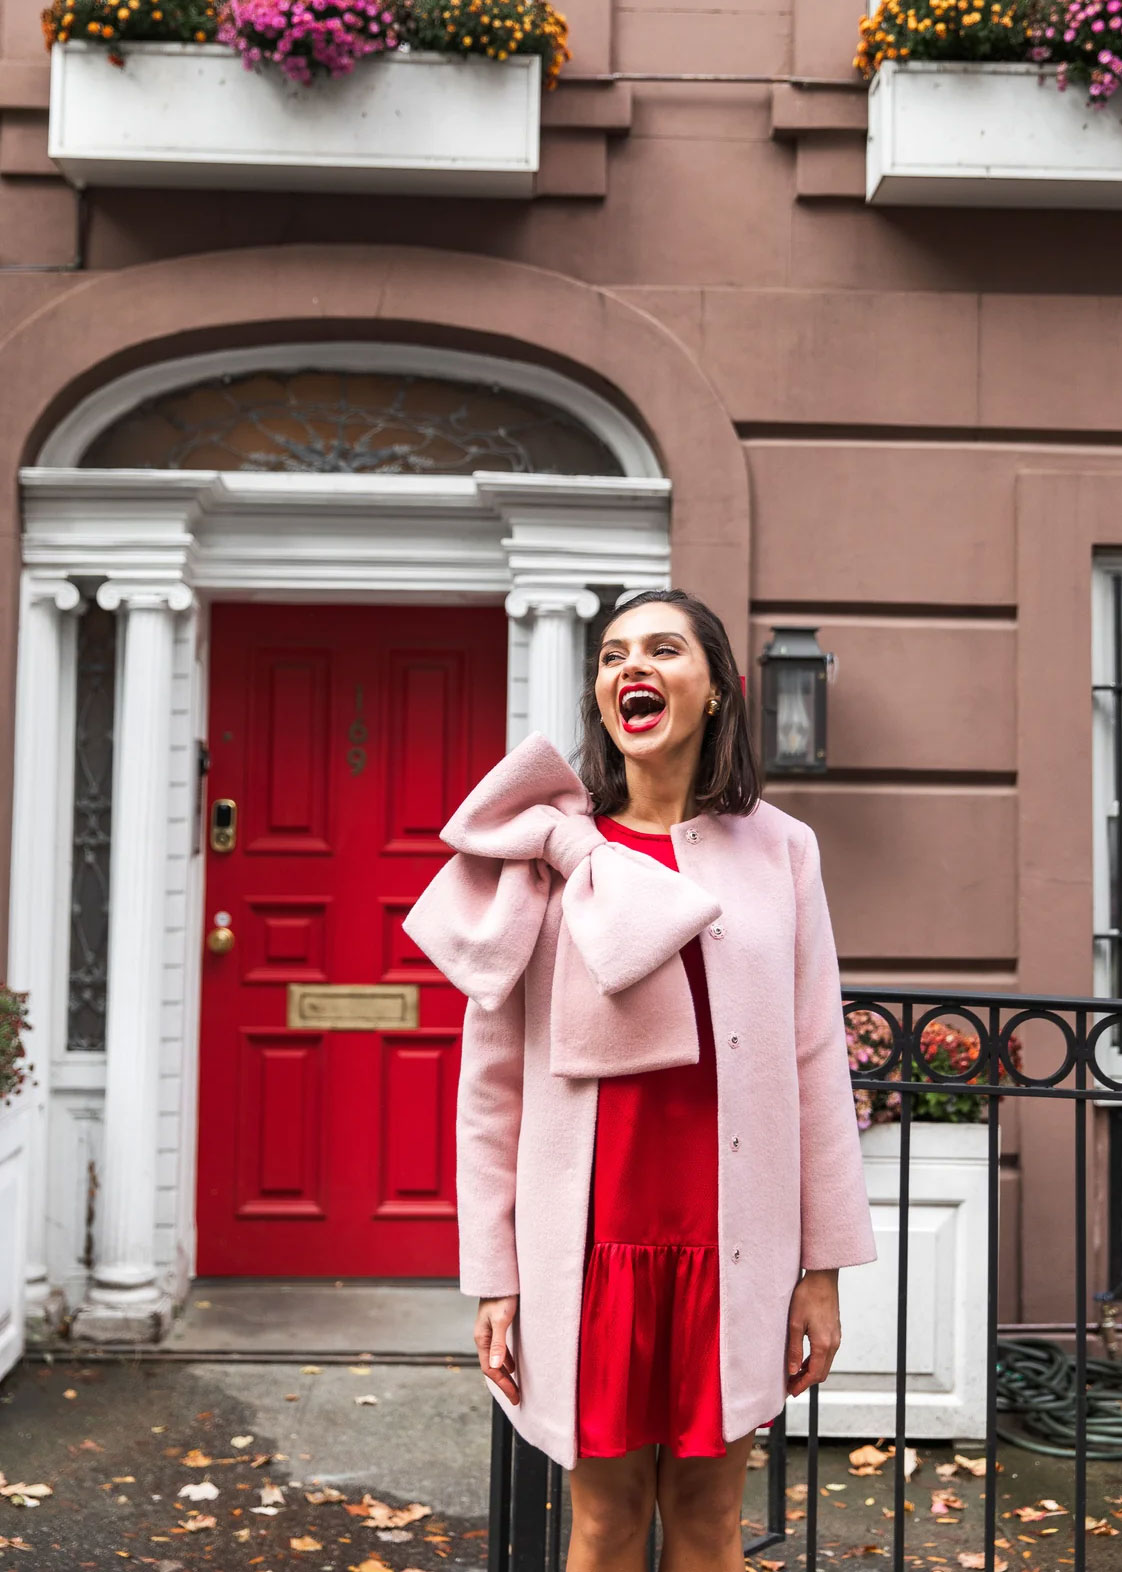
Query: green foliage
x=13, y=1023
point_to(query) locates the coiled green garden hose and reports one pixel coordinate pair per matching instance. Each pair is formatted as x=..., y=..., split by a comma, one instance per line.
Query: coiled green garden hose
x=1036, y=1381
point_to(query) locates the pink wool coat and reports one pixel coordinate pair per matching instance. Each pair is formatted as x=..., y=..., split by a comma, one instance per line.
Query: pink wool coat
x=567, y=946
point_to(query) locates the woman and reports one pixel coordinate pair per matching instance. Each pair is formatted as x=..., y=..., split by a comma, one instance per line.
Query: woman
x=658, y=1165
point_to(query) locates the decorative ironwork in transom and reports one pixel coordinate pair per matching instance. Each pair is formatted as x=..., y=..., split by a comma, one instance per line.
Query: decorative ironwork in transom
x=93, y=793
x=350, y=423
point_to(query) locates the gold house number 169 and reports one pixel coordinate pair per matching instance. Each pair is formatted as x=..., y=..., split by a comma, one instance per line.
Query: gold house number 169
x=357, y=734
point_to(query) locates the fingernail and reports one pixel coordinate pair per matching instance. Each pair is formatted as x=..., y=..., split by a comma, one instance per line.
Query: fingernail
x=496, y=1359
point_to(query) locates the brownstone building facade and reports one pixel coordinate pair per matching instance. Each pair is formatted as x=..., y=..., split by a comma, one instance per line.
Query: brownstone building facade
x=899, y=426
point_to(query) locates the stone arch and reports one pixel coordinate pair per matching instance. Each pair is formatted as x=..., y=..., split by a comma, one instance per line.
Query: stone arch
x=107, y=325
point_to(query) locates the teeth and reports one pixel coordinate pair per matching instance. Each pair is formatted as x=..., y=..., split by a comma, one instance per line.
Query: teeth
x=627, y=703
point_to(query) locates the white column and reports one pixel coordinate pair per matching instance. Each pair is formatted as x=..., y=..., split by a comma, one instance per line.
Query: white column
x=35, y=931
x=124, y=1298
x=556, y=616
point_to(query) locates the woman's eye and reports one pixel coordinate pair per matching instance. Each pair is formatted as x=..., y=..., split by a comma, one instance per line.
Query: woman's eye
x=661, y=649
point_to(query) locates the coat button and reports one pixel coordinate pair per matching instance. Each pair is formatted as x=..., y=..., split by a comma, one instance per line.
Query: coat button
x=692, y=835
x=736, y=1255
x=734, y=1039
x=736, y=1143
x=716, y=931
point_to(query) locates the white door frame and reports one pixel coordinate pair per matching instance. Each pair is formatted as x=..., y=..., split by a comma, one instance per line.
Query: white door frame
x=157, y=547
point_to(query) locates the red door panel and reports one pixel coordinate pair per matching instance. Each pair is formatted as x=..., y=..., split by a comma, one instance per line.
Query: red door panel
x=346, y=735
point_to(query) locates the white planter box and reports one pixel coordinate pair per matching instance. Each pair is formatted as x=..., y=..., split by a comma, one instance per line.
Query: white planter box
x=13, y=1230
x=947, y=1295
x=989, y=136
x=192, y=115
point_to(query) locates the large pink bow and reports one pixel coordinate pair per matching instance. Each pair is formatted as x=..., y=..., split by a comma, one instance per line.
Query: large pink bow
x=620, y=999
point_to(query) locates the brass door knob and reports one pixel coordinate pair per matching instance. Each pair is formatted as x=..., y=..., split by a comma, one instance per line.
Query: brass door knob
x=220, y=941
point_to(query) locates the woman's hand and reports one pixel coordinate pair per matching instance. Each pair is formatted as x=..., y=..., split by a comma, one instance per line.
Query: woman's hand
x=495, y=1358
x=813, y=1314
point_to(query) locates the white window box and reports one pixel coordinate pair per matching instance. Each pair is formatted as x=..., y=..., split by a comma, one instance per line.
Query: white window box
x=192, y=115
x=14, y=1158
x=947, y=1295
x=989, y=136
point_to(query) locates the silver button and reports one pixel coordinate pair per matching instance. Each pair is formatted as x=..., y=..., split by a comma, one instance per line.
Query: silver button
x=692, y=835
x=736, y=1143
x=734, y=1039
x=716, y=931
x=736, y=1255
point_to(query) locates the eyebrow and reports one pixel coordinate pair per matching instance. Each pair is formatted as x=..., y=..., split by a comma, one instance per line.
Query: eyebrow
x=650, y=638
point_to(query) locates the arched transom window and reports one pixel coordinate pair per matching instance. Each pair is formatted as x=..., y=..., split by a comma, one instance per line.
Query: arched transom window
x=349, y=422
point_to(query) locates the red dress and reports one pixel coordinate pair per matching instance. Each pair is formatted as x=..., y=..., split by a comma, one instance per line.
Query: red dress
x=650, y=1314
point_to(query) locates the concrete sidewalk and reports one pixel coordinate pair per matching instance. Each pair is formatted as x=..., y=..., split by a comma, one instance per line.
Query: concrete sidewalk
x=117, y=1436
x=298, y=1316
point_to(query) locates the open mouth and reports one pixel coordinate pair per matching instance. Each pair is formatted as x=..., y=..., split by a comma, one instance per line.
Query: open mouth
x=641, y=708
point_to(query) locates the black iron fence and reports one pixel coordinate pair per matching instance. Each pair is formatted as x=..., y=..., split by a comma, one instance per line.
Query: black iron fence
x=907, y=1059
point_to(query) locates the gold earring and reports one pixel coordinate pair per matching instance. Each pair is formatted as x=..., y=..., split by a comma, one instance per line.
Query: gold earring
x=713, y=705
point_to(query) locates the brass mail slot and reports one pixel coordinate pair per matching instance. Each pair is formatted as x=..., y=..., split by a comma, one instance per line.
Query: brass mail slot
x=353, y=1007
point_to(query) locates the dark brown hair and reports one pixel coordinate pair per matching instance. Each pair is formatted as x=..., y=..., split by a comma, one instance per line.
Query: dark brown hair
x=728, y=777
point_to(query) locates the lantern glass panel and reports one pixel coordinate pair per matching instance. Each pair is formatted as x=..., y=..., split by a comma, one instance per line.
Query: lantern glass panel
x=794, y=718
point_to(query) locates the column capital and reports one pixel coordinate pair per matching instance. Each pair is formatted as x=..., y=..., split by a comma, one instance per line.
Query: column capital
x=64, y=593
x=545, y=600
x=173, y=595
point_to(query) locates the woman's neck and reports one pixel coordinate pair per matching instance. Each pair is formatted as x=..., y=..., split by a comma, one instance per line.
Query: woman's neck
x=658, y=798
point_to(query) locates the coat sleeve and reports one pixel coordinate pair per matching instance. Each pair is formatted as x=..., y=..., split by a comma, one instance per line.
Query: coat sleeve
x=488, y=1120
x=836, y=1225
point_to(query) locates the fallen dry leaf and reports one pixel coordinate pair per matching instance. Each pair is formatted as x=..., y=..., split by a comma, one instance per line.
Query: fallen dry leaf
x=328, y=1493
x=195, y=1459
x=366, y=1399
x=1033, y=1514
x=192, y=1525
x=376, y=1514
x=271, y=1495
x=977, y=1558
x=869, y=1458
x=770, y=1566
x=797, y=1492
x=945, y=1500
x=16, y=1543
x=1099, y=1526
x=304, y=1542
x=974, y=1465
x=757, y=1457
x=203, y=1491
x=373, y=1564
x=240, y=1441
x=25, y=1495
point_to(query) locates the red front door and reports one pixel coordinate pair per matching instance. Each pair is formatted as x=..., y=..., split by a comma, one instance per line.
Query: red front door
x=344, y=736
